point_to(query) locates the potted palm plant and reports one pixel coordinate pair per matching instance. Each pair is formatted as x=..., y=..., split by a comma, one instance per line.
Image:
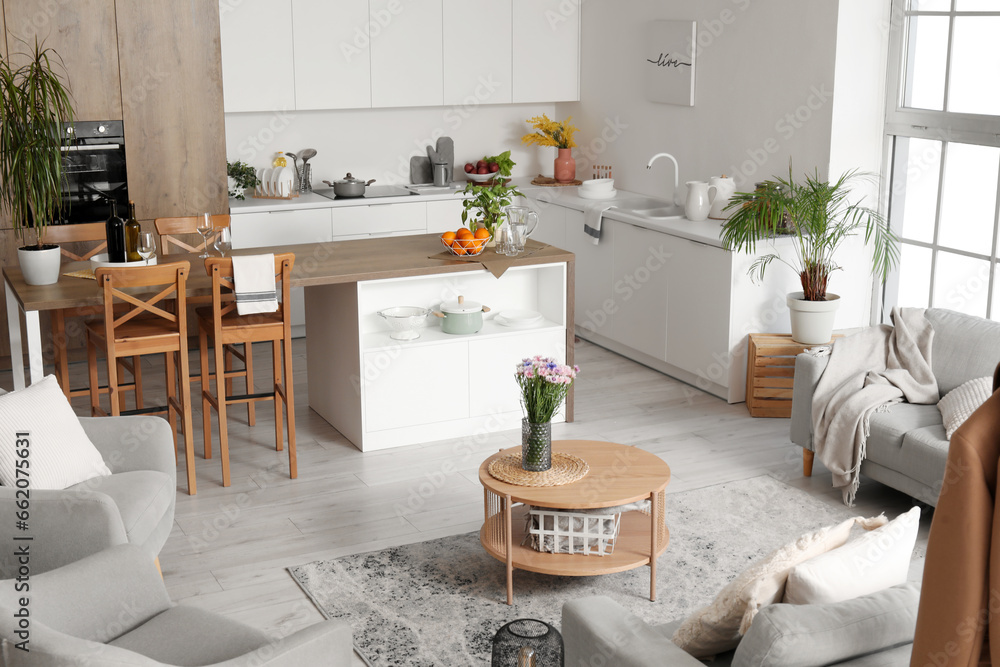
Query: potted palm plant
x=818, y=216
x=34, y=103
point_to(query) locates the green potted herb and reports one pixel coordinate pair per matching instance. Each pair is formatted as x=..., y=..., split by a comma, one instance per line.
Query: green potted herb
x=485, y=203
x=34, y=103
x=242, y=177
x=818, y=216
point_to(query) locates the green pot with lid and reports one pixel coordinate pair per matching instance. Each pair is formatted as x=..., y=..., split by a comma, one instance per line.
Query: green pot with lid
x=462, y=316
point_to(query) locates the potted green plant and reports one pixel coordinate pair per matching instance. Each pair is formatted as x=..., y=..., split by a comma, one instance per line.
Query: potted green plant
x=484, y=204
x=818, y=216
x=34, y=103
x=242, y=177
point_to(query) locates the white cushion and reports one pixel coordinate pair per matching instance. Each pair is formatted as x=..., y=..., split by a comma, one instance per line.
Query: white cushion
x=719, y=626
x=959, y=403
x=59, y=452
x=874, y=561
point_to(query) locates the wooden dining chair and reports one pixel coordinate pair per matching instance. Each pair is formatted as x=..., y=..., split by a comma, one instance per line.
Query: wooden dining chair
x=175, y=234
x=87, y=233
x=145, y=327
x=220, y=325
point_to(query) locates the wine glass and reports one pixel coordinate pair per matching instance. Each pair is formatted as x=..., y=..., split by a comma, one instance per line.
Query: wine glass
x=223, y=241
x=147, y=246
x=205, y=229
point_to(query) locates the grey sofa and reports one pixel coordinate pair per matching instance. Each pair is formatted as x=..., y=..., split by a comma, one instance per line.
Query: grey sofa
x=907, y=448
x=112, y=609
x=135, y=504
x=872, y=630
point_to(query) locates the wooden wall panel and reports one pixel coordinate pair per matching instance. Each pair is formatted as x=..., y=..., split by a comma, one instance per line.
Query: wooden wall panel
x=84, y=34
x=171, y=71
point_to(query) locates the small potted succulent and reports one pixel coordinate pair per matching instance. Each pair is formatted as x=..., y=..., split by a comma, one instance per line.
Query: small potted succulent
x=34, y=105
x=818, y=216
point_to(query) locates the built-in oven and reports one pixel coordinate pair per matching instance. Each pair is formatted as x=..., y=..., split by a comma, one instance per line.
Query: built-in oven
x=93, y=161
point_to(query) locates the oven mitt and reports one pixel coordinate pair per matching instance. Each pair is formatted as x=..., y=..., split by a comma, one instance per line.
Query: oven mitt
x=446, y=152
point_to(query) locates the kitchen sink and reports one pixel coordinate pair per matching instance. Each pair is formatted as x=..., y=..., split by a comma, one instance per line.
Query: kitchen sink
x=655, y=209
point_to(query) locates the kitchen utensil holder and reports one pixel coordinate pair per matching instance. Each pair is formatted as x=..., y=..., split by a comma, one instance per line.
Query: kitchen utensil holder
x=305, y=178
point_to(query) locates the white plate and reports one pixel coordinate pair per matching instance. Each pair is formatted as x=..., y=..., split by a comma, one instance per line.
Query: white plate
x=276, y=181
x=265, y=181
x=597, y=195
x=519, y=319
x=285, y=180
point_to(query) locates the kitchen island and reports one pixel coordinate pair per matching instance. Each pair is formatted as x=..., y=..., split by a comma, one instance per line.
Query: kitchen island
x=377, y=391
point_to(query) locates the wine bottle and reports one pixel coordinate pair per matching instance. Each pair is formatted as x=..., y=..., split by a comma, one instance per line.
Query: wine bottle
x=132, y=235
x=115, y=231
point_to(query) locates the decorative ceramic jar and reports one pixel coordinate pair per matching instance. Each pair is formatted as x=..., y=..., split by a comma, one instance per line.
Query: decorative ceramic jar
x=536, y=445
x=564, y=167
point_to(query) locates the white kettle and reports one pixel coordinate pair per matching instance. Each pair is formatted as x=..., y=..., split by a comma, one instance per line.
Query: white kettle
x=697, y=204
x=725, y=188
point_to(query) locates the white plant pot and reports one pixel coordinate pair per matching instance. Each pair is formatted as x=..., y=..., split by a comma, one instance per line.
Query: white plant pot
x=812, y=321
x=40, y=267
x=547, y=159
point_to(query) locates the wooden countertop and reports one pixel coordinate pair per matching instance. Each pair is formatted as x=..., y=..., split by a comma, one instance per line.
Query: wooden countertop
x=315, y=264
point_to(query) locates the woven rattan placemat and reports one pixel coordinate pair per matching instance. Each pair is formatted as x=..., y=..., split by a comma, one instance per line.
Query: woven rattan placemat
x=565, y=469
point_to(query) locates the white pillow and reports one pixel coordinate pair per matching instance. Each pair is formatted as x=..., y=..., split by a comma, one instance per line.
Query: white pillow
x=872, y=562
x=959, y=403
x=59, y=453
x=719, y=626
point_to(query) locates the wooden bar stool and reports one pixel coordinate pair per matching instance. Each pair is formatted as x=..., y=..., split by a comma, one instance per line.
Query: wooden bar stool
x=91, y=232
x=221, y=325
x=174, y=235
x=145, y=328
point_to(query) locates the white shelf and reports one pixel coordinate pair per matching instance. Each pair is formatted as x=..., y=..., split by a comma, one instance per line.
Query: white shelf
x=433, y=335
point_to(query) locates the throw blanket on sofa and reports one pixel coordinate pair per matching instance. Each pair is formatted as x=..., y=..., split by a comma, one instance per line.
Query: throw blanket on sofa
x=867, y=372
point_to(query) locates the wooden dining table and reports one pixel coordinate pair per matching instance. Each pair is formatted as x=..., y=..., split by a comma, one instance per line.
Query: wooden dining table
x=316, y=264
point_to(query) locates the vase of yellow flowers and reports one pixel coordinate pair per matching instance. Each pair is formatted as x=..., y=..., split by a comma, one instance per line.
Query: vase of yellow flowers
x=558, y=134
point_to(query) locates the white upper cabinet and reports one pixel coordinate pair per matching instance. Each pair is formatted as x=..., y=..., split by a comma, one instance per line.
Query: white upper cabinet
x=332, y=56
x=477, y=51
x=257, y=60
x=407, y=53
x=546, y=51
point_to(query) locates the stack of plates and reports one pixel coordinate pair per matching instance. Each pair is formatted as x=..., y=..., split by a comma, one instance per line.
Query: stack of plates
x=519, y=319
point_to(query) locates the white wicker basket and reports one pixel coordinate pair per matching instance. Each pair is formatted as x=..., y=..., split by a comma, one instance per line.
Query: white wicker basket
x=567, y=532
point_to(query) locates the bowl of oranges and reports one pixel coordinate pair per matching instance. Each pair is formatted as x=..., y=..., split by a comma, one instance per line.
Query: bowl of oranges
x=465, y=241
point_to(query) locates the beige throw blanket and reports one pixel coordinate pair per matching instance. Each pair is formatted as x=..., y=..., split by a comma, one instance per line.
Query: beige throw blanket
x=868, y=372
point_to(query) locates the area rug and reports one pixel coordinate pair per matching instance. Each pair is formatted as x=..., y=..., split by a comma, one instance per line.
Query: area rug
x=440, y=602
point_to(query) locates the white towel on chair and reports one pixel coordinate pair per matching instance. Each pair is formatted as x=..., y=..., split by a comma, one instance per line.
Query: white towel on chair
x=592, y=217
x=253, y=278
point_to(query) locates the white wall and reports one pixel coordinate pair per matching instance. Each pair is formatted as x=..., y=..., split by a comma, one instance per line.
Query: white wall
x=378, y=143
x=760, y=66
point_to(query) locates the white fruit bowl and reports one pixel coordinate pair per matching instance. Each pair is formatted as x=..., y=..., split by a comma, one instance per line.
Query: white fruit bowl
x=482, y=178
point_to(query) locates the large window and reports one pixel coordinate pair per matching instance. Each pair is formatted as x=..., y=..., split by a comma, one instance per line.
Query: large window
x=943, y=129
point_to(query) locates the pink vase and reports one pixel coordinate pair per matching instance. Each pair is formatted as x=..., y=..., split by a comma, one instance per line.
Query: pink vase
x=565, y=166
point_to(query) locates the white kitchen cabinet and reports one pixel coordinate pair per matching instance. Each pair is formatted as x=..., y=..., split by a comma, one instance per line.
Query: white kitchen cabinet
x=551, y=227
x=546, y=57
x=393, y=400
x=641, y=288
x=596, y=302
x=477, y=52
x=332, y=57
x=492, y=387
x=379, y=219
x=407, y=54
x=698, y=323
x=444, y=216
x=257, y=56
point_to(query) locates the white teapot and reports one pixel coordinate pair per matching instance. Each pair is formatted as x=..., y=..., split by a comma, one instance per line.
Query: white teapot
x=725, y=187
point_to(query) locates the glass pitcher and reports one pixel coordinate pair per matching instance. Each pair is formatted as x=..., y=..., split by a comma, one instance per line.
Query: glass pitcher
x=521, y=222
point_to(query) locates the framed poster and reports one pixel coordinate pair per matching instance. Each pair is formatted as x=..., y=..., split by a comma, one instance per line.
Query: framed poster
x=668, y=59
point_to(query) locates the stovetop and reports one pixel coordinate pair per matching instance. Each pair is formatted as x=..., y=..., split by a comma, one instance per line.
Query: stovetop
x=371, y=192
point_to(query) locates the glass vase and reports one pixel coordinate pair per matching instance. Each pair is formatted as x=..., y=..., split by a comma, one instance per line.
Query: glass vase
x=536, y=445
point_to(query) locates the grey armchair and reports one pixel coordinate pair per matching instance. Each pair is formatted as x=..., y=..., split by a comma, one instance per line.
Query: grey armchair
x=112, y=609
x=134, y=505
x=872, y=630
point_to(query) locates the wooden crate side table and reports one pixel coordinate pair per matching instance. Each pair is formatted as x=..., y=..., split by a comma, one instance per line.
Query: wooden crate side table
x=770, y=372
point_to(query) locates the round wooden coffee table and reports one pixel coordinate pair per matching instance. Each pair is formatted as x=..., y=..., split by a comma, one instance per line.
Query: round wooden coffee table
x=618, y=475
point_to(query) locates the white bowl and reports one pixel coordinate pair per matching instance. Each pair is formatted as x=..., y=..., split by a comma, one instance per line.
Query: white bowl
x=586, y=194
x=482, y=178
x=102, y=260
x=599, y=185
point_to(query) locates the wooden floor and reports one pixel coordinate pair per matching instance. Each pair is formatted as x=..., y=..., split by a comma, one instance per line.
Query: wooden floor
x=230, y=546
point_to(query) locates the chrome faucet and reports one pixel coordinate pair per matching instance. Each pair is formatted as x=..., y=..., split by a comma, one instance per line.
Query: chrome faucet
x=677, y=170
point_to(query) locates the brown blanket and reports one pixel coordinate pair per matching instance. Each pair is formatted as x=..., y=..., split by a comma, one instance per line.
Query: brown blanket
x=869, y=371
